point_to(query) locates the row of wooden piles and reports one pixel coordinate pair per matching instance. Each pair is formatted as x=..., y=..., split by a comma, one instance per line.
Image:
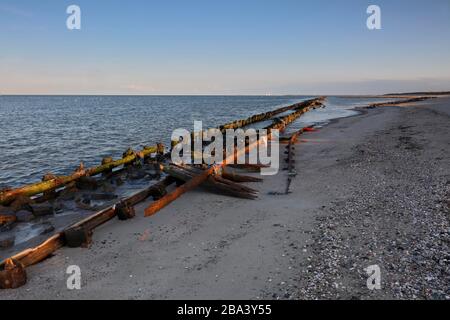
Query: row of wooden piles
x=216, y=178
x=396, y=103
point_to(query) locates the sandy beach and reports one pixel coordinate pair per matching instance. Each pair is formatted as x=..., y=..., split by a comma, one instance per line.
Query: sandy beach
x=372, y=189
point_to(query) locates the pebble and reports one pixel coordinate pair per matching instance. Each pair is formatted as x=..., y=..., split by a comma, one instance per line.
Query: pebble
x=392, y=217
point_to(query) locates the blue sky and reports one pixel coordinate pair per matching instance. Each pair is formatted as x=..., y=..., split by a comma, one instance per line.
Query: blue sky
x=223, y=47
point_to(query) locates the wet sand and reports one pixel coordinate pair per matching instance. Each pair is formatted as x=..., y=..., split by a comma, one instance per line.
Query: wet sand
x=371, y=189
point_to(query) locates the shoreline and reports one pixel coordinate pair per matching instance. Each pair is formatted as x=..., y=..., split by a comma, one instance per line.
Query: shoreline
x=214, y=254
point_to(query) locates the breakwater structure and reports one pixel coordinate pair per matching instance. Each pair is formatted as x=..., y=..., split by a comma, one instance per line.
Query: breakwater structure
x=167, y=183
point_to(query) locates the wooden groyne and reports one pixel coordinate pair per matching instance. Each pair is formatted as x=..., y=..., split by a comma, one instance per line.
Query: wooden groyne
x=13, y=269
x=271, y=114
x=282, y=123
x=399, y=103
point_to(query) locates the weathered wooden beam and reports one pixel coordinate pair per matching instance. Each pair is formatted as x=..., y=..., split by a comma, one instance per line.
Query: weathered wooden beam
x=128, y=159
x=32, y=256
x=8, y=196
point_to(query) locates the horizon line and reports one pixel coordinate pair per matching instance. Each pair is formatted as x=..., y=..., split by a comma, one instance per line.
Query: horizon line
x=225, y=95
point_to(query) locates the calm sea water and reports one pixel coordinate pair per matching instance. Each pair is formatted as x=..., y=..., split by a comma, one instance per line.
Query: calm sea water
x=40, y=134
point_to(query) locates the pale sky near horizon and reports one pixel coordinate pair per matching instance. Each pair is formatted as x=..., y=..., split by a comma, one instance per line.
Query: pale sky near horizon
x=224, y=47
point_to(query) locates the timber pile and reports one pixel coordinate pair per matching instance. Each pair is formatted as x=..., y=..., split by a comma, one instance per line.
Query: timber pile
x=216, y=177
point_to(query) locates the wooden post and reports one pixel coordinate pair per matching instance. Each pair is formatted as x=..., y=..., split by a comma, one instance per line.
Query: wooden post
x=12, y=275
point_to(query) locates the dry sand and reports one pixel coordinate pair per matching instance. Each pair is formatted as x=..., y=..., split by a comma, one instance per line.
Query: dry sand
x=371, y=189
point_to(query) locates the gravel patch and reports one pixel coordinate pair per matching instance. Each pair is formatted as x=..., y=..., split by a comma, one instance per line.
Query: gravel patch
x=395, y=215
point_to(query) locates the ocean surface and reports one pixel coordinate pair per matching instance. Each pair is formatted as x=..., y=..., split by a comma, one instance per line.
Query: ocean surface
x=41, y=134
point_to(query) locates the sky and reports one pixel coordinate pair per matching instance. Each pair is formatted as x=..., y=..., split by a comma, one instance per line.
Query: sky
x=224, y=47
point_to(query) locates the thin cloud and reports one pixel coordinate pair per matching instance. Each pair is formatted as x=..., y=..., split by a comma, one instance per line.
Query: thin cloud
x=8, y=9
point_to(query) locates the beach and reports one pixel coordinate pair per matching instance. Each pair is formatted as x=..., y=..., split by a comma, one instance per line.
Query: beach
x=371, y=189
